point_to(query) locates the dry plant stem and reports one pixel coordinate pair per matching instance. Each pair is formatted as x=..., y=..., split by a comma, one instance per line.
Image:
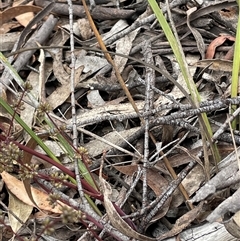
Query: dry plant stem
x=228, y=138
x=128, y=30
x=74, y=118
x=207, y=105
x=205, y=155
x=98, y=12
x=186, y=110
x=196, y=34
x=150, y=79
x=225, y=125
x=105, y=217
x=135, y=136
x=133, y=185
x=72, y=77
x=230, y=205
x=174, y=175
x=145, y=163
x=228, y=174
x=159, y=149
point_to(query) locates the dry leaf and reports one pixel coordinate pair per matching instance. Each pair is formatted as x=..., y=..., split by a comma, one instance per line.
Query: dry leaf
x=12, y=12
x=236, y=219
x=20, y=209
x=27, y=158
x=95, y=99
x=215, y=64
x=60, y=95
x=124, y=46
x=191, y=183
x=182, y=222
x=27, y=113
x=84, y=28
x=41, y=198
x=6, y=27
x=25, y=18
x=119, y=26
x=90, y=63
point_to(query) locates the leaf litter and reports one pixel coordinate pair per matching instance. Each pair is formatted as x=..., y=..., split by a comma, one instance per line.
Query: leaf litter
x=108, y=126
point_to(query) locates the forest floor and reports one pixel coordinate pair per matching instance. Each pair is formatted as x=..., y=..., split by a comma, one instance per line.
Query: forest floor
x=113, y=105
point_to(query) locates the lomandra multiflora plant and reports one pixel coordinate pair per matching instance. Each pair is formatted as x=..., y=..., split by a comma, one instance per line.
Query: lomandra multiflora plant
x=16, y=159
x=10, y=154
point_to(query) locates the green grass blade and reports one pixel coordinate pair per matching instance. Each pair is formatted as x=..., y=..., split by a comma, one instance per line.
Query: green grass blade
x=236, y=68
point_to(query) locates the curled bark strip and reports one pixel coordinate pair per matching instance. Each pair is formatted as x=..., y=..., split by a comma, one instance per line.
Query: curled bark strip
x=215, y=43
x=12, y=12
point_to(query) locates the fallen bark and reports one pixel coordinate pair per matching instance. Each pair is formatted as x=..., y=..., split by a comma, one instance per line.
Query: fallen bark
x=206, y=232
